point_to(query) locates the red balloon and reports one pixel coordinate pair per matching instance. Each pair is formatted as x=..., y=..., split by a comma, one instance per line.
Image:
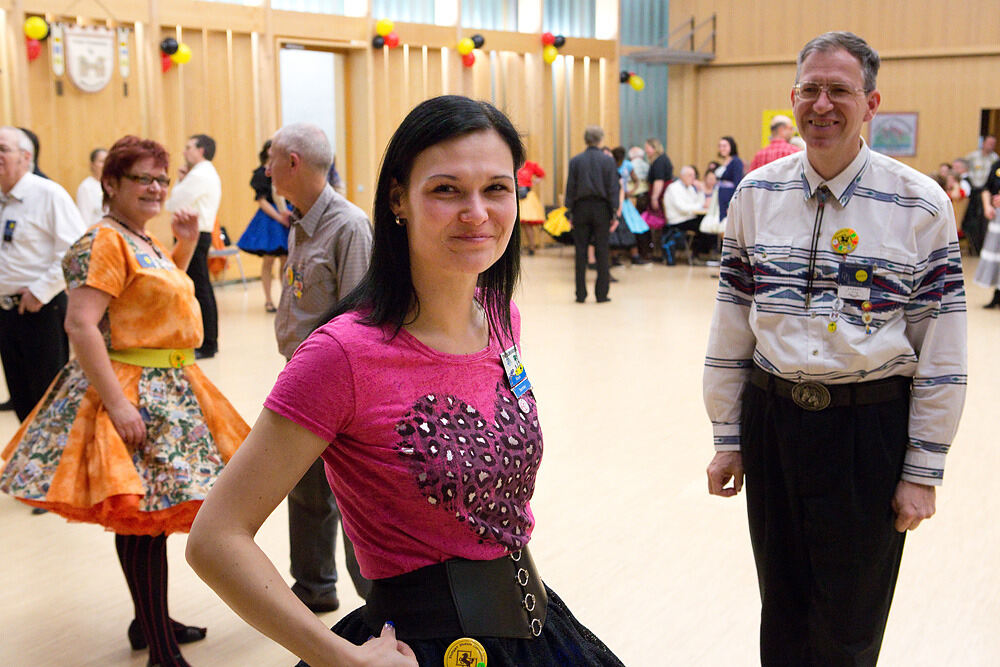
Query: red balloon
x=469, y=59
x=165, y=61
x=34, y=48
x=548, y=39
x=392, y=40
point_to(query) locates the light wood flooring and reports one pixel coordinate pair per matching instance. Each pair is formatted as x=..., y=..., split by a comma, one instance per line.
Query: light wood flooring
x=626, y=532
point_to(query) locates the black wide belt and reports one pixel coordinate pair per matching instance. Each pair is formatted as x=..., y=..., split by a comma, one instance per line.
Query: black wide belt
x=503, y=597
x=815, y=396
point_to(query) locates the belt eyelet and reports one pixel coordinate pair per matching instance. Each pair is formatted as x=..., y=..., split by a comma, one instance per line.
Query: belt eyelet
x=522, y=574
x=515, y=555
x=536, y=627
x=529, y=602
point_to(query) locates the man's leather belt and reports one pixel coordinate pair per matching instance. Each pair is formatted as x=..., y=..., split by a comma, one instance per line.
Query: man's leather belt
x=815, y=396
x=9, y=301
x=503, y=597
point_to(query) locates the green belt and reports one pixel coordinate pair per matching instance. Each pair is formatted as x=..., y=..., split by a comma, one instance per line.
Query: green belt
x=154, y=358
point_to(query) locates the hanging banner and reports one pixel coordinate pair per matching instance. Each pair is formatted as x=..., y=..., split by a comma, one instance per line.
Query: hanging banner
x=90, y=56
x=123, y=59
x=56, y=49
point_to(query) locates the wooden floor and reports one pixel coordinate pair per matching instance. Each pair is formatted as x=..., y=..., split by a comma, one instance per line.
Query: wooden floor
x=626, y=532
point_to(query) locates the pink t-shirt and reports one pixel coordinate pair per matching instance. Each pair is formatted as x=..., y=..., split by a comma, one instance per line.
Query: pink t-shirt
x=431, y=455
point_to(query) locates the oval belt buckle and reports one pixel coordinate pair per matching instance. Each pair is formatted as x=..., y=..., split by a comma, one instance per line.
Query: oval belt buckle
x=465, y=652
x=811, y=396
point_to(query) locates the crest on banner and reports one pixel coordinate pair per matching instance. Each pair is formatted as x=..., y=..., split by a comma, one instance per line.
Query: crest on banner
x=90, y=56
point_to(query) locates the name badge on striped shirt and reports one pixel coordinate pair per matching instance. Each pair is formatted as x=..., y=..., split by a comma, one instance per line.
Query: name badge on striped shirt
x=854, y=281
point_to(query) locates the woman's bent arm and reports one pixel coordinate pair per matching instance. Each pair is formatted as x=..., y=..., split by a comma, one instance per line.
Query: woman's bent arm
x=221, y=548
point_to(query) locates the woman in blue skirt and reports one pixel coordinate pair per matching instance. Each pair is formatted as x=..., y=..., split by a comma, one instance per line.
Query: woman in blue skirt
x=267, y=233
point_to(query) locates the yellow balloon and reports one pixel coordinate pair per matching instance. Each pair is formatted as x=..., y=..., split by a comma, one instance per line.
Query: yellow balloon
x=636, y=82
x=35, y=27
x=465, y=45
x=549, y=54
x=182, y=55
x=384, y=27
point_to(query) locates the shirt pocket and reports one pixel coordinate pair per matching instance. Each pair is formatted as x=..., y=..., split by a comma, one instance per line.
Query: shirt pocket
x=891, y=287
x=778, y=276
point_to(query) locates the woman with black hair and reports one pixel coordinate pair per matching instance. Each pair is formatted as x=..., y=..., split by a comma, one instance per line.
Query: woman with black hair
x=415, y=398
x=730, y=173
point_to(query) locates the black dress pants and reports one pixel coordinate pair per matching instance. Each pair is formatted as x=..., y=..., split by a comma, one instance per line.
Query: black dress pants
x=198, y=271
x=819, y=492
x=313, y=523
x=592, y=224
x=34, y=347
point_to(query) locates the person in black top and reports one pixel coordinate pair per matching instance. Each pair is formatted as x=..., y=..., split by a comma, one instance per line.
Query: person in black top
x=592, y=200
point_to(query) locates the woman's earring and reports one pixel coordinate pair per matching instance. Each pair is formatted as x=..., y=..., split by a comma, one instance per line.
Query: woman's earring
x=400, y=221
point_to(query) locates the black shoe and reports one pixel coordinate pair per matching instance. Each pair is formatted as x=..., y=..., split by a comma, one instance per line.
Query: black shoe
x=639, y=261
x=39, y=510
x=616, y=262
x=183, y=634
x=579, y=300
x=317, y=604
x=995, y=303
x=612, y=279
x=592, y=267
x=204, y=354
x=604, y=300
x=7, y=405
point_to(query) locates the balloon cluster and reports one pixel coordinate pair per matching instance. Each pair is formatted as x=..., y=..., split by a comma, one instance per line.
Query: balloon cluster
x=173, y=53
x=550, y=46
x=466, y=47
x=385, y=35
x=36, y=30
x=632, y=79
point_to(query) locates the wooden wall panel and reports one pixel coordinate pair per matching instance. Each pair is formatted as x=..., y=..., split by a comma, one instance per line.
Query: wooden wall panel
x=229, y=90
x=935, y=61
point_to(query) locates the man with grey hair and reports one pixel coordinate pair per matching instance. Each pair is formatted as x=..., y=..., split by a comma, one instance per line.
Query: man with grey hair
x=329, y=246
x=592, y=201
x=782, y=130
x=40, y=222
x=836, y=366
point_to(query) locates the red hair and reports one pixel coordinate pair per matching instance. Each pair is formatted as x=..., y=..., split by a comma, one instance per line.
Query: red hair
x=126, y=152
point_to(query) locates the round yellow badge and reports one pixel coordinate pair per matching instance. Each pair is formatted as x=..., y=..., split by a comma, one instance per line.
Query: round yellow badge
x=465, y=652
x=831, y=327
x=861, y=276
x=844, y=241
x=176, y=359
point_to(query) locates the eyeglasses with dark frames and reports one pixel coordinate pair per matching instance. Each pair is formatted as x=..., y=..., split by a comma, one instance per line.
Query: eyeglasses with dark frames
x=145, y=180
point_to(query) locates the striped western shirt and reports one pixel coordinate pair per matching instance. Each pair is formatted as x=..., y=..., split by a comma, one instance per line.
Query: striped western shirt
x=905, y=239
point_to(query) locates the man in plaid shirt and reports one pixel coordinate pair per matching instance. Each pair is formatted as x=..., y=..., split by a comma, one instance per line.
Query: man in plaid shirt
x=781, y=131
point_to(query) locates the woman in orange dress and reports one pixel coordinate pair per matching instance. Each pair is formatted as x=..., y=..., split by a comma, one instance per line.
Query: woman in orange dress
x=131, y=435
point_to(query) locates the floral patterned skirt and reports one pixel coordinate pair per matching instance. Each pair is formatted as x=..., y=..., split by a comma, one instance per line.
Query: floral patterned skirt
x=67, y=456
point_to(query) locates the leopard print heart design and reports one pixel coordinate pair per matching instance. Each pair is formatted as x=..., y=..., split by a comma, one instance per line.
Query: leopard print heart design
x=483, y=473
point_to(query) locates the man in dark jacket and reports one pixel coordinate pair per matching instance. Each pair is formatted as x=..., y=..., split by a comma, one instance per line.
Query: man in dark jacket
x=592, y=200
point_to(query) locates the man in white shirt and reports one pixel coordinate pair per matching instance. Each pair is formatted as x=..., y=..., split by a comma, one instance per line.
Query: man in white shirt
x=684, y=206
x=836, y=366
x=90, y=194
x=40, y=222
x=201, y=191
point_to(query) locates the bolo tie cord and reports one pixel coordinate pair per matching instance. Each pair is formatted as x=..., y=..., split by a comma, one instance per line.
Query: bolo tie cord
x=822, y=194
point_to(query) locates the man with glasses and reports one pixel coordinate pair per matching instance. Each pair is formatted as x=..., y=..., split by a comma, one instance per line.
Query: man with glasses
x=836, y=367
x=40, y=222
x=201, y=191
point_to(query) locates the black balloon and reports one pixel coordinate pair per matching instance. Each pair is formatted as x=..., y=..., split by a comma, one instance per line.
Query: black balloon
x=558, y=43
x=378, y=41
x=169, y=46
x=478, y=40
x=623, y=76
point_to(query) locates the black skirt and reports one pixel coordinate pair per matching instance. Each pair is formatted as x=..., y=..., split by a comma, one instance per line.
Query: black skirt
x=563, y=641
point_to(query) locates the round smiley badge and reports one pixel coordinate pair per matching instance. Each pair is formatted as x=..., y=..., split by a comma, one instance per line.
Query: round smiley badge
x=844, y=241
x=465, y=652
x=861, y=276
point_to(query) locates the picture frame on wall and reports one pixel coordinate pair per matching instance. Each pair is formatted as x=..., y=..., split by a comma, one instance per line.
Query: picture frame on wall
x=894, y=134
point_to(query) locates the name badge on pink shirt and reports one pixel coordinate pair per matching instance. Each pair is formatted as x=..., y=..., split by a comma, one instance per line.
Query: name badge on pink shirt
x=516, y=375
